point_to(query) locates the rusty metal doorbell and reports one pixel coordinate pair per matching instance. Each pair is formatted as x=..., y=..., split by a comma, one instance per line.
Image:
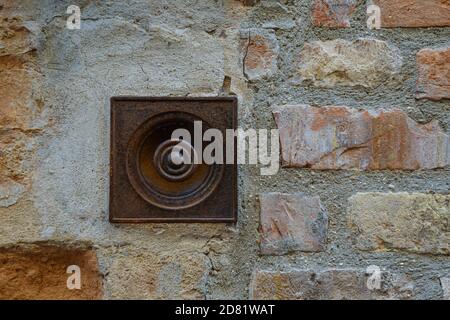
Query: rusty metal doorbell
x=156, y=178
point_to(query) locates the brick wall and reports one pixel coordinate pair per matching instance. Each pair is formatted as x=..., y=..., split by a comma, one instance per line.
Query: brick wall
x=359, y=210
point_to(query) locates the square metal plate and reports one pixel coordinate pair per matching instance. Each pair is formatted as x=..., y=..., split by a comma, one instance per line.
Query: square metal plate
x=142, y=188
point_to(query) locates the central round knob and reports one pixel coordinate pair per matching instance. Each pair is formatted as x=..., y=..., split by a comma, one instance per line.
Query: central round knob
x=174, y=160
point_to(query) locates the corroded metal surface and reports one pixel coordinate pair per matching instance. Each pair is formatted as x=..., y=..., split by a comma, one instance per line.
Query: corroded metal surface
x=146, y=185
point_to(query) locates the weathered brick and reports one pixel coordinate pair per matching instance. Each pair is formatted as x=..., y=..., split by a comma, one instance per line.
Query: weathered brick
x=17, y=108
x=17, y=72
x=333, y=13
x=14, y=149
x=39, y=272
x=16, y=36
x=414, y=222
x=260, y=53
x=274, y=15
x=330, y=284
x=20, y=105
x=414, y=13
x=445, y=284
x=292, y=222
x=175, y=275
x=362, y=62
x=344, y=138
x=433, y=81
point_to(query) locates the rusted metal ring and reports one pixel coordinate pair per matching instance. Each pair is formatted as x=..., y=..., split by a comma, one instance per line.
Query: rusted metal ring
x=157, y=186
x=165, y=165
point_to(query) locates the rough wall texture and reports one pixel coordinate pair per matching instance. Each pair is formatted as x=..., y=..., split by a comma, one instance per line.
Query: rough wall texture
x=386, y=205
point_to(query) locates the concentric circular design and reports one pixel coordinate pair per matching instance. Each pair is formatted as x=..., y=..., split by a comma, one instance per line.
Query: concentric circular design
x=170, y=162
x=157, y=166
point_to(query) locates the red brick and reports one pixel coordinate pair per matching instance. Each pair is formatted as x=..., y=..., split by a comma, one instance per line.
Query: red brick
x=433, y=81
x=345, y=138
x=39, y=272
x=292, y=222
x=333, y=13
x=260, y=51
x=414, y=13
